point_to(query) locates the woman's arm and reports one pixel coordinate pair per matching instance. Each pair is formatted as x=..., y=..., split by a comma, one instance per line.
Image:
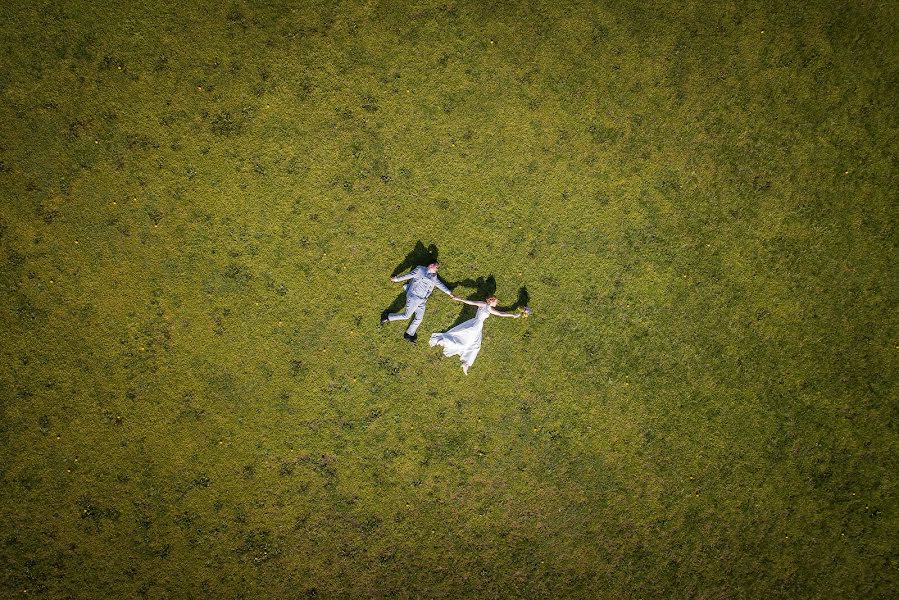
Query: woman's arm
x=471, y=302
x=500, y=313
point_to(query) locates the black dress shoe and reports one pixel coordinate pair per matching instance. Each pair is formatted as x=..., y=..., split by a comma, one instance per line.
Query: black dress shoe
x=409, y=338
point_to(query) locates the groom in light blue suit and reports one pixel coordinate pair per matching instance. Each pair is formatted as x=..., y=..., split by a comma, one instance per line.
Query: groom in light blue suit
x=424, y=280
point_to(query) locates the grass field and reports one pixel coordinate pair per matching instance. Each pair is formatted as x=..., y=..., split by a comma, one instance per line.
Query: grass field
x=201, y=209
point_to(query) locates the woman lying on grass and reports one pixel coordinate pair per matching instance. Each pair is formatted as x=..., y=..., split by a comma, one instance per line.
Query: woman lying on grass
x=464, y=340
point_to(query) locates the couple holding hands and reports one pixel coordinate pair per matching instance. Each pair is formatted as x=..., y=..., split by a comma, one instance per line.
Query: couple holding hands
x=463, y=340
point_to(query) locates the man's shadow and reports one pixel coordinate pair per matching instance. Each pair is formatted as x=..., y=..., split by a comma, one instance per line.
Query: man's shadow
x=482, y=288
x=420, y=255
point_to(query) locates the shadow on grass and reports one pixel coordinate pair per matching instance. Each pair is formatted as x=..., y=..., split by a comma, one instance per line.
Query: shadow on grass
x=418, y=256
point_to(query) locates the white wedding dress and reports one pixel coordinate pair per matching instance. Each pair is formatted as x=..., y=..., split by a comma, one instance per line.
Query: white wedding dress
x=463, y=340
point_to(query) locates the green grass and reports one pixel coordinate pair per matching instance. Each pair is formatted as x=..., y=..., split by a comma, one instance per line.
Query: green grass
x=201, y=209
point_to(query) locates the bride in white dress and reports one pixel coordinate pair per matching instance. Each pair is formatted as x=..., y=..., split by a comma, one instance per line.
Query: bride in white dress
x=464, y=340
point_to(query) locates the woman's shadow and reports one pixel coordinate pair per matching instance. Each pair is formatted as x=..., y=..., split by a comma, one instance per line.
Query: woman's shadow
x=484, y=287
x=420, y=255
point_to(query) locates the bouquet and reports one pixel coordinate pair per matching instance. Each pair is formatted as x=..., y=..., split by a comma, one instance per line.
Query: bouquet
x=524, y=311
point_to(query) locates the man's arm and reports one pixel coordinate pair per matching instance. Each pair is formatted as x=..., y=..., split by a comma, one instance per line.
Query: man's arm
x=442, y=287
x=408, y=275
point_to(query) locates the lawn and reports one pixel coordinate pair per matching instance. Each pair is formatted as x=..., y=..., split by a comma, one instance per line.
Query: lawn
x=202, y=206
